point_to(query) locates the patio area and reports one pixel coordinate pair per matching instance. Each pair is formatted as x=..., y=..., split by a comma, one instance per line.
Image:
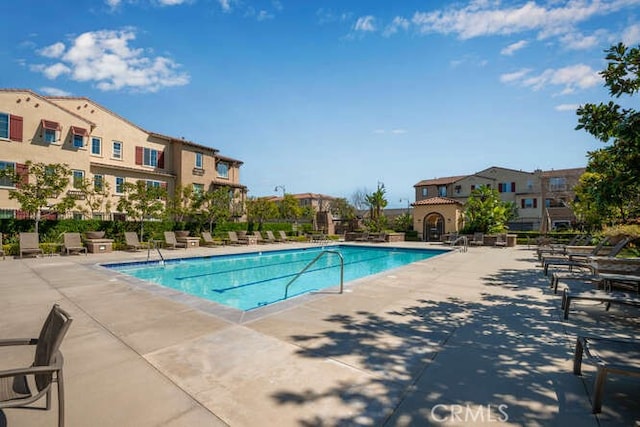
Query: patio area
x=463, y=338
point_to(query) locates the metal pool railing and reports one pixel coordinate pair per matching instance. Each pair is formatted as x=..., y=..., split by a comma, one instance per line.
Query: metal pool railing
x=320, y=255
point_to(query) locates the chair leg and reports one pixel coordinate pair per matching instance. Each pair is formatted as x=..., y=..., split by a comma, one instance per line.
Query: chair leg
x=60, y=399
x=598, y=389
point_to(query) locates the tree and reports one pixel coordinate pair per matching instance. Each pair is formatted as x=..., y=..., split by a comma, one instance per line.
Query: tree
x=359, y=199
x=376, y=201
x=290, y=207
x=182, y=204
x=485, y=212
x=215, y=206
x=342, y=209
x=614, y=181
x=403, y=222
x=95, y=197
x=41, y=189
x=260, y=209
x=141, y=201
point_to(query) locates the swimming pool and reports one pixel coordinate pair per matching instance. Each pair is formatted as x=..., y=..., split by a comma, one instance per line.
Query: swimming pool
x=252, y=280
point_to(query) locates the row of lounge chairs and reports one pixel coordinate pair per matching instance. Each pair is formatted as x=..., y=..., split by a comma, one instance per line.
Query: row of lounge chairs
x=601, y=277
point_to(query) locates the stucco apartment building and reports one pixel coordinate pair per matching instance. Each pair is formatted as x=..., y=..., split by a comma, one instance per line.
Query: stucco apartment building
x=103, y=147
x=541, y=198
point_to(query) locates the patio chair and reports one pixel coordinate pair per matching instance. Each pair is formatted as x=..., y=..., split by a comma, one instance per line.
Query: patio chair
x=171, y=242
x=209, y=241
x=131, y=240
x=610, y=356
x=29, y=244
x=15, y=389
x=283, y=236
x=272, y=238
x=501, y=240
x=379, y=238
x=235, y=240
x=561, y=249
x=73, y=243
x=261, y=240
x=478, y=239
x=1, y=248
x=582, y=260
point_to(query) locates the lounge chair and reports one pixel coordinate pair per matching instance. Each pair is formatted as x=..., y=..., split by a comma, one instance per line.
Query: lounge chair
x=604, y=297
x=235, y=240
x=364, y=237
x=261, y=240
x=283, y=236
x=1, y=248
x=131, y=240
x=606, y=272
x=15, y=389
x=73, y=243
x=501, y=240
x=379, y=238
x=29, y=244
x=171, y=242
x=272, y=238
x=610, y=356
x=582, y=260
x=561, y=249
x=478, y=239
x=209, y=241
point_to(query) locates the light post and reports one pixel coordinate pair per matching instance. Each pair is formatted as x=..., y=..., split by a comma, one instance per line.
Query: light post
x=408, y=204
x=281, y=187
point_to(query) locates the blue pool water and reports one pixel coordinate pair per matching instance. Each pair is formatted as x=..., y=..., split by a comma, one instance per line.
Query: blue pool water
x=248, y=281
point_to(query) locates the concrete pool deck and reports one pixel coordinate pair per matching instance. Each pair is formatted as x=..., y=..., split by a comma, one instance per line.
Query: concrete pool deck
x=464, y=338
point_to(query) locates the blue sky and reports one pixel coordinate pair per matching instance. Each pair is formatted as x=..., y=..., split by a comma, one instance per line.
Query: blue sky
x=333, y=96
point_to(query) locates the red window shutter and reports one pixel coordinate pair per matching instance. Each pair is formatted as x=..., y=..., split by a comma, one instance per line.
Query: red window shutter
x=23, y=174
x=163, y=185
x=535, y=203
x=15, y=128
x=139, y=154
x=513, y=187
x=500, y=188
x=161, y=159
x=522, y=203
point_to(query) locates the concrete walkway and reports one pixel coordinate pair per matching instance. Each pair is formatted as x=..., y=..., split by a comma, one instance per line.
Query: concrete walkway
x=464, y=338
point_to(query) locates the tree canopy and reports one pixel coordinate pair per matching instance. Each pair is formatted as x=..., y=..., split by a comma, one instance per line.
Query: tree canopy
x=609, y=192
x=485, y=212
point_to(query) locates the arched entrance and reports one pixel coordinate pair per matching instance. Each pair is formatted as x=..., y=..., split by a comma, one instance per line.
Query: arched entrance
x=433, y=227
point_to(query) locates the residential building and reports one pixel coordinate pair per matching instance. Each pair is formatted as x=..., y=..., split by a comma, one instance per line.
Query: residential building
x=541, y=199
x=317, y=202
x=105, y=148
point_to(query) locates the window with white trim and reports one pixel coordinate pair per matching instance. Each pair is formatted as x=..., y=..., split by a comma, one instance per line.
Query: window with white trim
x=199, y=160
x=119, y=185
x=78, y=136
x=98, y=182
x=150, y=157
x=198, y=189
x=6, y=181
x=7, y=214
x=153, y=184
x=78, y=177
x=50, y=131
x=223, y=169
x=116, y=152
x=96, y=146
x=4, y=125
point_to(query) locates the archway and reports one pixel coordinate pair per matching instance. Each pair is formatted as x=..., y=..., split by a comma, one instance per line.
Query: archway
x=433, y=227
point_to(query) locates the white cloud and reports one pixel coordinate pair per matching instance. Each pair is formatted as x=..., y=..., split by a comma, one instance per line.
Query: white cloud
x=326, y=16
x=631, y=35
x=571, y=77
x=513, y=47
x=52, y=91
x=172, y=2
x=567, y=107
x=397, y=24
x=515, y=76
x=225, y=5
x=263, y=15
x=53, y=51
x=398, y=131
x=365, y=24
x=113, y=3
x=105, y=57
x=578, y=41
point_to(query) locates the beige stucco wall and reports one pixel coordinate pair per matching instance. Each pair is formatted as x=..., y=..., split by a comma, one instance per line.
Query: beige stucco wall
x=452, y=213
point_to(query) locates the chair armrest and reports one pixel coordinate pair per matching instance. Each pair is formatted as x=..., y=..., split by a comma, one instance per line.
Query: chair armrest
x=31, y=370
x=18, y=341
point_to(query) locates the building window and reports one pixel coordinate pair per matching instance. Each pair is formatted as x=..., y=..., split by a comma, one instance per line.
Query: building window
x=117, y=150
x=199, y=160
x=529, y=203
x=78, y=135
x=11, y=127
x=78, y=177
x=198, y=189
x=4, y=125
x=424, y=192
x=557, y=184
x=98, y=182
x=442, y=191
x=9, y=167
x=507, y=187
x=119, y=185
x=7, y=213
x=51, y=131
x=530, y=184
x=96, y=146
x=155, y=184
x=150, y=157
x=458, y=188
x=223, y=170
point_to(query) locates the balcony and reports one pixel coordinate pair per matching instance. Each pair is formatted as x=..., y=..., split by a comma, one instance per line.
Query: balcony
x=198, y=171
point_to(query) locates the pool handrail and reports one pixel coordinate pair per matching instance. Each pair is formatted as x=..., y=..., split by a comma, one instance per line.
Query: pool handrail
x=320, y=255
